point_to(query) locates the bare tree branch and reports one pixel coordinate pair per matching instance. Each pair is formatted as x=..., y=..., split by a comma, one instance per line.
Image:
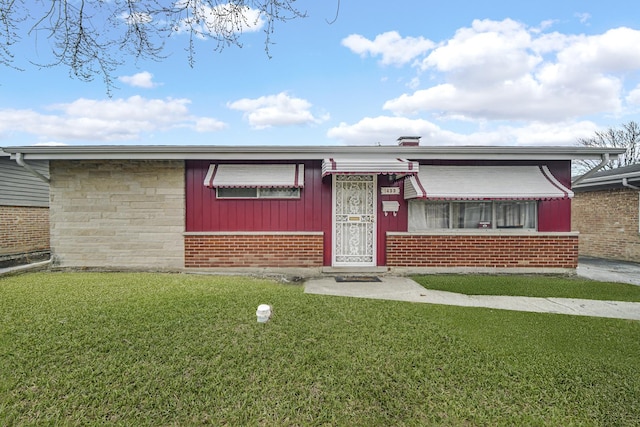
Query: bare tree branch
x=627, y=137
x=94, y=37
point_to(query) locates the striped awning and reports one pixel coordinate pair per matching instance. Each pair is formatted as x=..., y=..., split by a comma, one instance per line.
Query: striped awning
x=485, y=183
x=267, y=175
x=386, y=167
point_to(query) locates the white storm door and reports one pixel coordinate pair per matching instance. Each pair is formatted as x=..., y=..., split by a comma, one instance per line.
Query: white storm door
x=354, y=219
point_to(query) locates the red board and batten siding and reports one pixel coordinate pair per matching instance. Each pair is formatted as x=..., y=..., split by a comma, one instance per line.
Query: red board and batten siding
x=390, y=222
x=207, y=213
x=555, y=215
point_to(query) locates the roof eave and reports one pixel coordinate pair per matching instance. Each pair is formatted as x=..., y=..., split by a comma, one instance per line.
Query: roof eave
x=190, y=152
x=608, y=181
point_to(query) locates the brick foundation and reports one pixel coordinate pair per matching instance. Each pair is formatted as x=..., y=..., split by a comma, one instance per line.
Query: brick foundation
x=253, y=250
x=23, y=229
x=548, y=250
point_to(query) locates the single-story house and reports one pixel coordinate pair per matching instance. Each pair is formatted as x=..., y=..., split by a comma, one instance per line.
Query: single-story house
x=24, y=212
x=605, y=213
x=333, y=208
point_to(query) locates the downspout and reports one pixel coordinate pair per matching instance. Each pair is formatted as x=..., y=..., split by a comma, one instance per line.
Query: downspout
x=603, y=163
x=625, y=183
x=20, y=160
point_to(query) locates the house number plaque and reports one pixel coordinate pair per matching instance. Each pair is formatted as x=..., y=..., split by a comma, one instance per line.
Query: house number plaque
x=389, y=190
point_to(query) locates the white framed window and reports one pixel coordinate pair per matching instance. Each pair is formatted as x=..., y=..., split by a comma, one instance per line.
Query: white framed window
x=516, y=214
x=257, y=193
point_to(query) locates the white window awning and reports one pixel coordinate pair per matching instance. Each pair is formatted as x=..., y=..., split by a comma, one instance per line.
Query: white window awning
x=485, y=183
x=386, y=166
x=255, y=175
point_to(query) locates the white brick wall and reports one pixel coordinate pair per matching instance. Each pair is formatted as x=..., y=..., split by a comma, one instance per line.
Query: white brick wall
x=125, y=214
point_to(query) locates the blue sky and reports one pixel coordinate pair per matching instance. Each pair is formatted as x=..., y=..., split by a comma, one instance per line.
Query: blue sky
x=455, y=73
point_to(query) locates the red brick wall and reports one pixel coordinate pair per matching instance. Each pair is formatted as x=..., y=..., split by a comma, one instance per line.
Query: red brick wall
x=498, y=251
x=254, y=250
x=608, y=223
x=23, y=229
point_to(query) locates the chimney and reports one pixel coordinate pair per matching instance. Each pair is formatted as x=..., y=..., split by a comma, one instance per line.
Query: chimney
x=409, y=141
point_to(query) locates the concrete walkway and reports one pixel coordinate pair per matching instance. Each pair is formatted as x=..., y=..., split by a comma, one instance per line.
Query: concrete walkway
x=405, y=289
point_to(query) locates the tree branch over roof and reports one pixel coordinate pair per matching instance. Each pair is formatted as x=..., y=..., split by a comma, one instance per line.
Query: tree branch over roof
x=627, y=137
x=94, y=37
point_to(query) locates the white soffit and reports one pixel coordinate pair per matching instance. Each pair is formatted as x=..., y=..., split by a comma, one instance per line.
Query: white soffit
x=485, y=183
x=354, y=166
x=255, y=175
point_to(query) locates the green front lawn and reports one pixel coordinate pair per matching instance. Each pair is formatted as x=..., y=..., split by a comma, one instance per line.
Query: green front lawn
x=161, y=349
x=531, y=286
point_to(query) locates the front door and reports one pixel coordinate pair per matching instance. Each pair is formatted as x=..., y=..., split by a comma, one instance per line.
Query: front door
x=354, y=219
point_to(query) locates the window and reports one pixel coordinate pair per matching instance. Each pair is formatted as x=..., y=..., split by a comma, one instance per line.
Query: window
x=257, y=193
x=426, y=215
x=471, y=215
x=514, y=214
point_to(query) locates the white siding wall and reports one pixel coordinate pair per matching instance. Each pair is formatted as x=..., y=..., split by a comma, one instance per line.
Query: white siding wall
x=118, y=214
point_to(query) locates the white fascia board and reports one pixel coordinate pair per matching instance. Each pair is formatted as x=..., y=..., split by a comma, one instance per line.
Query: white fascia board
x=176, y=152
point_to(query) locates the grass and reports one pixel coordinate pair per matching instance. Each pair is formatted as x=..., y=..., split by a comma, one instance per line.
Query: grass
x=160, y=349
x=531, y=286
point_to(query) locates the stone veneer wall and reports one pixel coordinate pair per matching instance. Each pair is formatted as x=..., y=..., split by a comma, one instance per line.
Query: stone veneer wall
x=254, y=249
x=503, y=251
x=125, y=214
x=608, y=223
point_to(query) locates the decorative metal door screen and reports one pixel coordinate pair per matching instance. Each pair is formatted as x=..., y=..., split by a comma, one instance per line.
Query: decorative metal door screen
x=354, y=220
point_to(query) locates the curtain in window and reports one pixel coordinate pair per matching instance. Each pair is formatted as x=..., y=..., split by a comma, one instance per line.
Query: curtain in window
x=425, y=215
x=516, y=215
x=428, y=216
x=471, y=214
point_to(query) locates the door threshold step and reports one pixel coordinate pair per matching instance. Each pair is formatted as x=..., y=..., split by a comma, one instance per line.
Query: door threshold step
x=355, y=270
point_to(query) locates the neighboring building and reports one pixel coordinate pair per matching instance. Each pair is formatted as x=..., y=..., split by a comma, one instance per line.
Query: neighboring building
x=403, y=208
x=605, y=212
x=24, y=213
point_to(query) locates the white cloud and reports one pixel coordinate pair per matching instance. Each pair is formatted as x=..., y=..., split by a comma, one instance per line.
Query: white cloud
x=394, y=49
x=143, y=80
x=634, y=96
x=505, y=71
x=206, y=124
x=50, y=144
x=414, y=83
x=386, y=129
x=105, y=120
x=382, y=129
x=276, y=110
x=486, y=53
x=583, y=17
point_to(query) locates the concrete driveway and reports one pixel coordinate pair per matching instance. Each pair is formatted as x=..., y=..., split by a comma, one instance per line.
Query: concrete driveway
x=609, y=271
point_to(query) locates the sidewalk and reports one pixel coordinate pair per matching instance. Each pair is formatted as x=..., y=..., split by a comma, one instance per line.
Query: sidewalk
x=405, y=289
